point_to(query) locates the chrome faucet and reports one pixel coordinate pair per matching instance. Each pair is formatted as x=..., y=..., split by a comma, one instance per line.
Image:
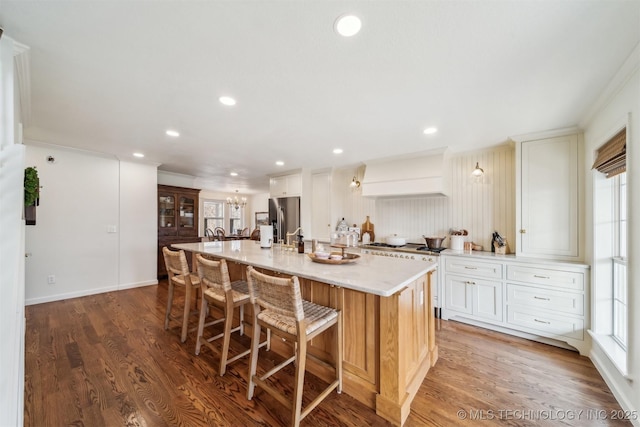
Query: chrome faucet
x=289, y=245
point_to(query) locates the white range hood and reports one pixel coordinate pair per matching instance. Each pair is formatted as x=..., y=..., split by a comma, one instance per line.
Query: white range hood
x=420, y=174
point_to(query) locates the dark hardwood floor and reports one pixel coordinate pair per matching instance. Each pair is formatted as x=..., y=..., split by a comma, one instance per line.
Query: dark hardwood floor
x=105, y=360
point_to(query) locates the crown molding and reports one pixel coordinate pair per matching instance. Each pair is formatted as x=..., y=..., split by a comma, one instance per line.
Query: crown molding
x=629, y=68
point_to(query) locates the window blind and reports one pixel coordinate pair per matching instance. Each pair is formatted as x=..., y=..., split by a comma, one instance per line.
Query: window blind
x=612, y=156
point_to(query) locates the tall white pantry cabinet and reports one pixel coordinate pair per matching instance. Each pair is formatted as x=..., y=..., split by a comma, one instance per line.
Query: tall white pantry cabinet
x=548, y=197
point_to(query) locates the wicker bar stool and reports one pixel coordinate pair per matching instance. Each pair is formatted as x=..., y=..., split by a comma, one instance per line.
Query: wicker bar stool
x=278, y=304
x=218, y=290
x=179, y=275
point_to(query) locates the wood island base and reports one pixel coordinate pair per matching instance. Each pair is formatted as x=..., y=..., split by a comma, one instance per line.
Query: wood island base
x=389, y=343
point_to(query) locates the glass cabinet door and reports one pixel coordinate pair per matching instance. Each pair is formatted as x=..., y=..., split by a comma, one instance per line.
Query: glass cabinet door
x=187, y=208
x=166, y=211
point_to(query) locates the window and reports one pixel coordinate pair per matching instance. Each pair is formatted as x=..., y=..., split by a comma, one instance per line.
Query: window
x=609, y=286
x=213, y=214
x=235, y=219
x=619, y=259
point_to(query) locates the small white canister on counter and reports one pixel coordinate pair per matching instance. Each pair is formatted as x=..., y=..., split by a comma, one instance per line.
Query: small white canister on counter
x=457, y=243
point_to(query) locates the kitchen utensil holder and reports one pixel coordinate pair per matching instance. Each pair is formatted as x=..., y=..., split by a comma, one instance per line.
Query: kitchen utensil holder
x=501, y=250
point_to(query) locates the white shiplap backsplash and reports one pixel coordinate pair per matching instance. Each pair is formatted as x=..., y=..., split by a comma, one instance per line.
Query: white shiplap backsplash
x=480, y=207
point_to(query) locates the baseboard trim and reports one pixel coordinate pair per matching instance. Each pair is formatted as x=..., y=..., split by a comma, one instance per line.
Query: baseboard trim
x=610, y=374
x=87, y=292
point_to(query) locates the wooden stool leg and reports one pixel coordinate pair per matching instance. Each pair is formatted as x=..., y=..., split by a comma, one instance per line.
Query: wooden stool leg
x=242, y=320
x=169, y=304
x=228, y=320
x=187, y=309
x=339, y=351
x=253, y=358
x=301, y=359
x=268, y=339
x=204, y=309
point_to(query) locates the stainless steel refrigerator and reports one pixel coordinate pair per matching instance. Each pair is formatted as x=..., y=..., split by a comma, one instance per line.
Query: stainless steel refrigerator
x=284, y=216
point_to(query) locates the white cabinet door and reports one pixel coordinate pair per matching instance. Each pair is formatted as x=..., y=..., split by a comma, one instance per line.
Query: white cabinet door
x=487, y=298
x=278, y=186
x=479, y=298
x=285, y=185
x=549, y=197
x=321, y=206
x=458, y=294
x=294, y=185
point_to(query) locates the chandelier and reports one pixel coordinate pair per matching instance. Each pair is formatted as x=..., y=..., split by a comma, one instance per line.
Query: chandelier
x=237, y=203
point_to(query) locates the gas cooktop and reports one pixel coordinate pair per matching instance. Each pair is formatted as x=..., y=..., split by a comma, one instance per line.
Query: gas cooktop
x=409, y=247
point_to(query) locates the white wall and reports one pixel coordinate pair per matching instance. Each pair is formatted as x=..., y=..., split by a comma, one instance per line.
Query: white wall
x=621, y=102
x=138, y=224
x=78, y=236
x=12, y=320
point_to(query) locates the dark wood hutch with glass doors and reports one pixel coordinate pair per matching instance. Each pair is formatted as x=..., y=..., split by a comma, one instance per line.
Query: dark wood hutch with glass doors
x=177, y=219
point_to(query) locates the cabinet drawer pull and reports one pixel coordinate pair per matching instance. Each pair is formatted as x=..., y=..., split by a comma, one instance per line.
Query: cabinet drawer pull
x=470, y=268
x=542, y=321
x=543, y=299
x=541, y=277
x=470, y=283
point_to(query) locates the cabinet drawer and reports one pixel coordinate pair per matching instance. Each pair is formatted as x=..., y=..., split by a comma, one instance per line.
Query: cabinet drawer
x=548, y=277
x=529, y=296
x=550, y=325
x=468, y=267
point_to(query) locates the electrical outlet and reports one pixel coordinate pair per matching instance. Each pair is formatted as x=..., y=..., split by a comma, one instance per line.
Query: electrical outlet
x=51, y=279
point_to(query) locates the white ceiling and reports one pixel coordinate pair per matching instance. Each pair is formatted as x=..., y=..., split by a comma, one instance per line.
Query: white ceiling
x=112, y=76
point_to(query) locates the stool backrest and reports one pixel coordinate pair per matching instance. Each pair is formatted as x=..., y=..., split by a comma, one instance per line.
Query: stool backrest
x=213, y=274
x=279, y=294
x=175, y=261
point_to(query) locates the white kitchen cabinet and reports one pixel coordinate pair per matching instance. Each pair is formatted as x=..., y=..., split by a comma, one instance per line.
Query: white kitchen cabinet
x=478, y=298
x=285, y=185
x=548, y=301
x=549, y=196
x=467, y=267
x=544, y=300
x=563, y=328
x=473, y=288
x=321, y=206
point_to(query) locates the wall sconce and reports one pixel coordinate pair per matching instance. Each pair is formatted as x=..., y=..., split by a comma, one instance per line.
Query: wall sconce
x=354, y=183
x=237, y=203
x=478, y=171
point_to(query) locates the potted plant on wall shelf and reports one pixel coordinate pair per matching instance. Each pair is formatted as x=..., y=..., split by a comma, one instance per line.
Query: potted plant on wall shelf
x=31, y=194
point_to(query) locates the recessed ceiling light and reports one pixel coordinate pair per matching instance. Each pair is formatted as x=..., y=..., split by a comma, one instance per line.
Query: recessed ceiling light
x=337, y=151
x=234, y=174
x=280, y=163
x=431, y=130
x=348, y=25
x=227, y=100
x=138, y=155
x=173, y=133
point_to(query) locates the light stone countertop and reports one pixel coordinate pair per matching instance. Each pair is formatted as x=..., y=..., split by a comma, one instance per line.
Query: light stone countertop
x=371, y=274
x=511, y=258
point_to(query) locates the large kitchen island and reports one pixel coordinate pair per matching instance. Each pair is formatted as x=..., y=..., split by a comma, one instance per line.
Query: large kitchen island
x=388, y=318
